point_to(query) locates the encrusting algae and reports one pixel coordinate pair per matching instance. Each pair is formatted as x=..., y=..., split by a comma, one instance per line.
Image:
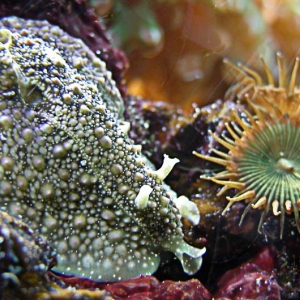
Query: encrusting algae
x=67, y=166
x=263, y=142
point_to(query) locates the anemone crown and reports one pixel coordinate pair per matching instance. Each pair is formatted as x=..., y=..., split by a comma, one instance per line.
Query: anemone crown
x=263, y=158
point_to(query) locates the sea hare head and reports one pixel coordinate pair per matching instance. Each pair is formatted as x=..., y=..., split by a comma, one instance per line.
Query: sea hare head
x=67, y=167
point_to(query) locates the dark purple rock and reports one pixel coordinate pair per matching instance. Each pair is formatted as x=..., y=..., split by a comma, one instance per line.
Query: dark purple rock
x=24, y=258
x=21, y=250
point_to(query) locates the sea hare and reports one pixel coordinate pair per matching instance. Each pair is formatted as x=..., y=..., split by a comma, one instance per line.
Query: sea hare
x=67, y=166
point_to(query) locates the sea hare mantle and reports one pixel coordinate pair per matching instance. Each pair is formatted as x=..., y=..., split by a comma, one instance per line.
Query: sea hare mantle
x=67, y=167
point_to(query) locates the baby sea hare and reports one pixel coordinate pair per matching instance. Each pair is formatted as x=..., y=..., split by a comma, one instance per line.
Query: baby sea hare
x=67, y=167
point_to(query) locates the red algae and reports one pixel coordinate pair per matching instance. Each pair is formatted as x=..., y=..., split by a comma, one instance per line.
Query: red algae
x=145, y=287
x=254, y=279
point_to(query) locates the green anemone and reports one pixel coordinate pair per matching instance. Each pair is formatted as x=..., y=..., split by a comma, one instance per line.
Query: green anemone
x=263, y=158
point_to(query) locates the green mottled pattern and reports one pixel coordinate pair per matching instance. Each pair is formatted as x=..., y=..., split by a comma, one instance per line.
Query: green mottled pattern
x=67, y=168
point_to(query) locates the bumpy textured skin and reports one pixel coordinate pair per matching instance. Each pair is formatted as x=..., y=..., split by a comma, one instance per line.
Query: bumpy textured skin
x=66, y=166
x=78, y=20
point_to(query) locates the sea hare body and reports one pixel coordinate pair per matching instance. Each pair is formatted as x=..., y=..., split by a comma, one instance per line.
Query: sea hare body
x=67, y=167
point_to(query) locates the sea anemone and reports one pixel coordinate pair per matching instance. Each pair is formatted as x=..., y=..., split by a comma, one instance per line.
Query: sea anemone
x=263, y=141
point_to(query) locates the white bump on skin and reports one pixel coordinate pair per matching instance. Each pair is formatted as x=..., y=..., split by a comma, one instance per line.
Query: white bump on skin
x=142, y=198
x=187, y=209
x=124, y=126
x=166, y=168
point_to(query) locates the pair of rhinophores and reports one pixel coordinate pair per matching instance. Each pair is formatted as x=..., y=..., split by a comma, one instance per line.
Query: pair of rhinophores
x=68, y=168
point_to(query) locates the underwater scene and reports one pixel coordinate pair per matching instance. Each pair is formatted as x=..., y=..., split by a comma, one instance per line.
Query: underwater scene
x=149, y=149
